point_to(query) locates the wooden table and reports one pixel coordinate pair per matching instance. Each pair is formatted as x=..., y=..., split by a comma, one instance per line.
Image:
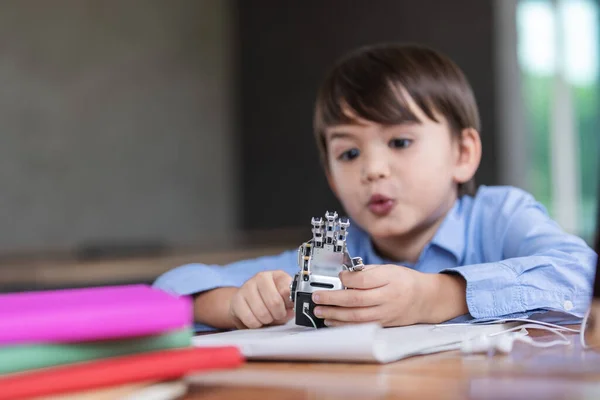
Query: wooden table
x=563, y=372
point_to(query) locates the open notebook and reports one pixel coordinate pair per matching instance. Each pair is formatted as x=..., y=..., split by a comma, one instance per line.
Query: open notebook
x=353, y=343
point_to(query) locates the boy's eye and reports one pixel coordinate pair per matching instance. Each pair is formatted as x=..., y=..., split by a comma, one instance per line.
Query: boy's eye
x=349, y=155
x=400, y=143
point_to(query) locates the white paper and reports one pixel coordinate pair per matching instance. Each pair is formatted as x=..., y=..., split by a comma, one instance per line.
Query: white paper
x=355, y=343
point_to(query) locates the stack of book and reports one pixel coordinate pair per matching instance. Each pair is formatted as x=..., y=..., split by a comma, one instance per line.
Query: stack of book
x=77, y=339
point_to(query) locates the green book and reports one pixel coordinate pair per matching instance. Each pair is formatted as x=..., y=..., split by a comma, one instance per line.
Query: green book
x=33, y=356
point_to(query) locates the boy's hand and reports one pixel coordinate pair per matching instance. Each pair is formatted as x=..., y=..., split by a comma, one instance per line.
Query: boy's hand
x=392, y=295
x=262, y=300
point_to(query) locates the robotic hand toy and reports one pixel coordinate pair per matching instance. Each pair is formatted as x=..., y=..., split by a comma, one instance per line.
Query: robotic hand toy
x=320, y=261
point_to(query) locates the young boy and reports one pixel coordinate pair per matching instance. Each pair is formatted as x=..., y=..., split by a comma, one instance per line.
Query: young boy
x=397, y=128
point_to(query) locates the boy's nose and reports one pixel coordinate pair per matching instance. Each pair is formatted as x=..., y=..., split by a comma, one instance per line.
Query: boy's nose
x=376, y=168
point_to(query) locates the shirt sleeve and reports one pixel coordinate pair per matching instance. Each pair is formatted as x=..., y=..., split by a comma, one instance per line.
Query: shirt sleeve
x=537, y=266
x=191, y=279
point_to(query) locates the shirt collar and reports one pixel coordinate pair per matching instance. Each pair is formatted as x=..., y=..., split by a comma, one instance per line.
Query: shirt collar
x=450, y=236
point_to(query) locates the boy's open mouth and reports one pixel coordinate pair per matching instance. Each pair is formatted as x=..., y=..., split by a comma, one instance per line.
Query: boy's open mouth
x=380, y=205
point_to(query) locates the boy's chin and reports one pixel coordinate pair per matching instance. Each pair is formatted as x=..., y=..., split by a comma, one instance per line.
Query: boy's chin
x=383, y=234
x=386, y=228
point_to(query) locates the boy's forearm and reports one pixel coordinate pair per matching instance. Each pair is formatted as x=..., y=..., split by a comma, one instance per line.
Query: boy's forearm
x=446, y=298
x=212, y=308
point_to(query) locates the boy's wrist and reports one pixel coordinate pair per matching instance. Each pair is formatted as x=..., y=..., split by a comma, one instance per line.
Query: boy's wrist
x=445, y=298
x=212, y=307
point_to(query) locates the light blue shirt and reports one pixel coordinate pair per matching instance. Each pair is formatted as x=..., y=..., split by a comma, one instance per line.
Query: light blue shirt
x=515, y=259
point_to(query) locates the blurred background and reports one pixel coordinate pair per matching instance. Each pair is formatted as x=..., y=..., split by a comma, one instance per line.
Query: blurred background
x=138, y=135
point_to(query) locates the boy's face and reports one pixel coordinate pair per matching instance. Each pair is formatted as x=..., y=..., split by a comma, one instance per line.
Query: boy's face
x=398, y=180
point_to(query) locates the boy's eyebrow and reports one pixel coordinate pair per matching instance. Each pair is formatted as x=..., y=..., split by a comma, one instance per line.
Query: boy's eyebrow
x=340, y=132
x=340, y=135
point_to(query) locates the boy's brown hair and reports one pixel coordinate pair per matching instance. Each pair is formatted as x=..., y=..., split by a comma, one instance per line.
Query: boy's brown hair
x=370, y=83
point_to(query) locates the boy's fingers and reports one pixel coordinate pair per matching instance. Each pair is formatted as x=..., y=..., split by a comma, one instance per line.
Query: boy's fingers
x=279, y=274
x=342, y=314
x=289, y=314
x=238, y=323
x=369, y=278
x=258, y=307
x=288, y=303
x=243, y=314
x=271, y=298
x=332, y=323
x=285, y=296
x=350, y=297
x=282, y=282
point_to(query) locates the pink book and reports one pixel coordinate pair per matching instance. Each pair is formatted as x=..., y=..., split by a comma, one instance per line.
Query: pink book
x=95, y=313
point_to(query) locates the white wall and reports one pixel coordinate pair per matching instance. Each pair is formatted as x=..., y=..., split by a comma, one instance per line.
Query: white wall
x=115, y=121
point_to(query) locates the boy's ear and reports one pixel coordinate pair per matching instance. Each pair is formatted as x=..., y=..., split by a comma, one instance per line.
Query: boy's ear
x=469, y=155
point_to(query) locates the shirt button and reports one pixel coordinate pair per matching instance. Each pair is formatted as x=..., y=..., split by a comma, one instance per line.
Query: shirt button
x=568, y=305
